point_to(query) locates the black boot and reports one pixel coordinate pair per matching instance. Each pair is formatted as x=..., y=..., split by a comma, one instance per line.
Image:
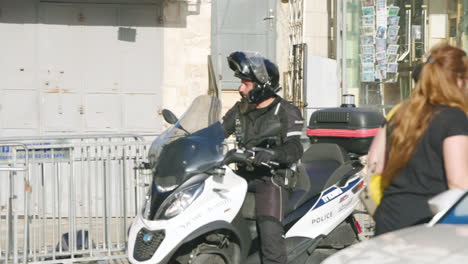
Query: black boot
x=272, y=242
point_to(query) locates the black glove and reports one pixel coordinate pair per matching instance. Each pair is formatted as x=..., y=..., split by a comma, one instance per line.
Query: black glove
x=262, y=157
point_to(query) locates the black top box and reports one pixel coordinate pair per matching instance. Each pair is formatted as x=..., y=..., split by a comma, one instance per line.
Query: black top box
x=353, y=128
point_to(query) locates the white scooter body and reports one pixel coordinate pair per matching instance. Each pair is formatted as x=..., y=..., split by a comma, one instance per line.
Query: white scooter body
x=199, y=199
x=333, y=207
x=221, y=200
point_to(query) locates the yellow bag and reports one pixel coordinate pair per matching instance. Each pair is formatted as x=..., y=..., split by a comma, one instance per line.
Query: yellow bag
x=376, y=188
x=376, y=183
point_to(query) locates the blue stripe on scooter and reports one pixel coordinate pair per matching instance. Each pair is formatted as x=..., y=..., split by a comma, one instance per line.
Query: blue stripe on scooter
x=299, y=212
x=344, y=189
x=309, y=205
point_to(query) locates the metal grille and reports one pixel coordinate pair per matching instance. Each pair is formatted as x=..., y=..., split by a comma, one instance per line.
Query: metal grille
x=296, y=19
x=294, y=78
x=332, y=117
x=147, y=242
x=69, y=198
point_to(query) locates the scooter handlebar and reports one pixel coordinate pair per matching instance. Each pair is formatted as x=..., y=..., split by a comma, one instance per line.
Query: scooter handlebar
x=270, y=164
x=257, y=149
x=236, y=156
x=247, y=157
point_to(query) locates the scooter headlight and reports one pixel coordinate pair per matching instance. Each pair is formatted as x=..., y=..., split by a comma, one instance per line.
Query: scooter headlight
x=179, y=201
x=147, y=207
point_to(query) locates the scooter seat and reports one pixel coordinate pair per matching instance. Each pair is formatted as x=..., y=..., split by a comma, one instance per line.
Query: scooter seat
x=318, y=173
x=322, y=166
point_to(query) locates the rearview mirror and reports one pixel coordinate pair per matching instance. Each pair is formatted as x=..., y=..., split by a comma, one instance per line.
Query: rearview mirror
x=169, y=116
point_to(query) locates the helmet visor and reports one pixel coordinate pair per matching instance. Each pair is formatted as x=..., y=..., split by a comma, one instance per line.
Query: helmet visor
x=257, y=64
x=248, y=66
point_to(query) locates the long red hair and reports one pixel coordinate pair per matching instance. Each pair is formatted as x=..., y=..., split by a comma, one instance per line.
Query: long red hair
x=437, y=85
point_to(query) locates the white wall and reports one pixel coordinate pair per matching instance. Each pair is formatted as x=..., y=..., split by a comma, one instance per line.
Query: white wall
x=186, y=54
x=322, y=78
x=316, y=27
x=99, y=68
x=322, y=83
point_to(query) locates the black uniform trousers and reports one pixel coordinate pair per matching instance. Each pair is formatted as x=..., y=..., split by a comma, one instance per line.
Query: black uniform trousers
x=270, y=200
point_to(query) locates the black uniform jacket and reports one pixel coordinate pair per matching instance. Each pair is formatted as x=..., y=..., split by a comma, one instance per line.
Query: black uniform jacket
x=249, y=125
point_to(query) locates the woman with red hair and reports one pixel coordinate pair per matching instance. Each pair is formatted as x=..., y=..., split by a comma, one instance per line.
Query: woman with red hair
x=427, y=142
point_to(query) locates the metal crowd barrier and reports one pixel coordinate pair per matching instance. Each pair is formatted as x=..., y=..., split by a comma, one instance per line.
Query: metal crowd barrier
x=71, y=198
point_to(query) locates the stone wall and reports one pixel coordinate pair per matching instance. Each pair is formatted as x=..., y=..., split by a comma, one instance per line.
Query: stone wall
x=187, y=46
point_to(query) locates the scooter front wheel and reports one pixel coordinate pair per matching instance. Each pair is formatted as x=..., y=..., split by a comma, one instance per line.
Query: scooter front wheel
x=215, y=254
x=208, y=259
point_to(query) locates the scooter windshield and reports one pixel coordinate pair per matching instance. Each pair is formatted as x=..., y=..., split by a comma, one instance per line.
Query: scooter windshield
x=191, y=146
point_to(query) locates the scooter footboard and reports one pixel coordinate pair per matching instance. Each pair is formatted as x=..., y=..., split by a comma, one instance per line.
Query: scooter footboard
x=342, y=236
x=303, y=250
x=299, y=248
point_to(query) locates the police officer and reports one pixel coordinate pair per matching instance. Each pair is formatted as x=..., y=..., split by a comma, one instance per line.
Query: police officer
x=261, y=109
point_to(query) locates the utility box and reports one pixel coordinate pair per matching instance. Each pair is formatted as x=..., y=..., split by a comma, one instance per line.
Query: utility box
x=353, y=128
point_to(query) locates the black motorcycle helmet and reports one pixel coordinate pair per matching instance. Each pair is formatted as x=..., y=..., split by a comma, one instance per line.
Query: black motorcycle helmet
x=261, y=71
